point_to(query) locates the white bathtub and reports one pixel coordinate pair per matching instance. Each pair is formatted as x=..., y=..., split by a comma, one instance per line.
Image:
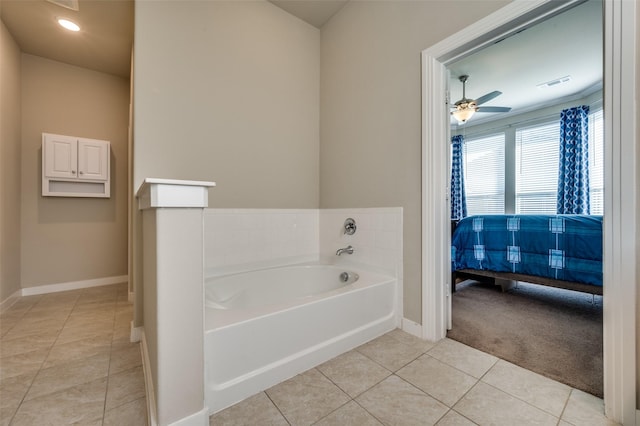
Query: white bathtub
x=262, y=327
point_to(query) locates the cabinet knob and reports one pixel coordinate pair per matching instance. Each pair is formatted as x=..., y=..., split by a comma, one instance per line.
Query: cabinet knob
x=73, y=172
x=80, y=172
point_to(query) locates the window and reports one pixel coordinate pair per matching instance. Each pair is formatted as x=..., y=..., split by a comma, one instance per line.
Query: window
x=533, y=188
x=596, y=162
x=537, y=150
x=484, y=174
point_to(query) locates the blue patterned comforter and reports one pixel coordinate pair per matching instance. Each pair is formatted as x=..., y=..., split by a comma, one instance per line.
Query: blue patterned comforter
x=563, y=247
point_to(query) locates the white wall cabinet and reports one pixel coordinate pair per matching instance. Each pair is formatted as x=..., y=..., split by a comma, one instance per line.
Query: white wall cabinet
x=75, y=167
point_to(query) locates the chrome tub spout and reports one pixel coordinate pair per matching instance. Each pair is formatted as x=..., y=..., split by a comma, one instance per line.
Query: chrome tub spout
x=348, y=250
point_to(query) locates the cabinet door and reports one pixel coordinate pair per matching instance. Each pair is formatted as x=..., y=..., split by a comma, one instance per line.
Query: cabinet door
x=60, y=156
x=93, y=159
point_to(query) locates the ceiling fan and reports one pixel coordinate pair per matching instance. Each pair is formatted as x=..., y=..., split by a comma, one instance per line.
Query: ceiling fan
x=465, y=108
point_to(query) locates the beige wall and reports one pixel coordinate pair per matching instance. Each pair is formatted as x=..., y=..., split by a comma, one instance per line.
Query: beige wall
x=72, y=239
x=638, y=217
x=9, y=165
x=370, y=151
x=231, y=95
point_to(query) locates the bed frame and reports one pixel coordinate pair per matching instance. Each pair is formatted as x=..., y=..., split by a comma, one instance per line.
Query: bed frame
x=490, y=276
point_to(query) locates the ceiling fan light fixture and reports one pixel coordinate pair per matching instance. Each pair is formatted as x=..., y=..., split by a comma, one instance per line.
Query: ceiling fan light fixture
x=464, y=111
x=462, y=115
x=69, y=25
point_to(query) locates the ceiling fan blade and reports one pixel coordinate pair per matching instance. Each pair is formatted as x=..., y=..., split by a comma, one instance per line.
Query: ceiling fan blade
x=488, y=97
x=493, y=109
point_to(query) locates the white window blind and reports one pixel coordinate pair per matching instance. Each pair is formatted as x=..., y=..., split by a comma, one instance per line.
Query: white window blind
x=596, y=162
x=537, y=168
x=484, y=174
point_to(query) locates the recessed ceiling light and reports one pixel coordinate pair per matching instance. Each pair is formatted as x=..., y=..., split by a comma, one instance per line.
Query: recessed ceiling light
x=71, y=26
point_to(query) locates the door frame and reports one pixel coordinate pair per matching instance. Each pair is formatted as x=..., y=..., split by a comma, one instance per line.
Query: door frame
x=621, y=173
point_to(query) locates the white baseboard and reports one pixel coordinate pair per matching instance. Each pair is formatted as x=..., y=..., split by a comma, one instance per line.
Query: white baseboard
x=201, y=418
x=136, y=333
x=73, y=285
x=412, y=327
x=9, y=301
x=148, y=380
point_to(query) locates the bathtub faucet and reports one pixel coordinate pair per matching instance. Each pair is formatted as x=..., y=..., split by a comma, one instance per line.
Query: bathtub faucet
x=348, y=250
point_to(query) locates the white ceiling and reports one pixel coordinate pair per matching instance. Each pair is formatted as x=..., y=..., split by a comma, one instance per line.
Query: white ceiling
x=569, y=44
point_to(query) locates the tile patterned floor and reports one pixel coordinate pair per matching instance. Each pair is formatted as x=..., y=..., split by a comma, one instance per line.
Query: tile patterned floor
x=398, y=379
x=65, y=358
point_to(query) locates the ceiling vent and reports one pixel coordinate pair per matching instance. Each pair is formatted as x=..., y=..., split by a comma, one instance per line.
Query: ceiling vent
x=556, y=82
x=67, y=4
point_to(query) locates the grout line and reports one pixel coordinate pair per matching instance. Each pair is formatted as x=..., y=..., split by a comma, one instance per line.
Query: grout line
x=45, y=358
x=489, y=369
x=367, y=411
x=460, y=414
x=55, y=307
x=353, y=398
x=435, y=398
x=367, y=389
x=566, y=403
x=393, y=373
x=332, y=411
x=522, y=400
x=106, y=392
x=559, y=417
x=275, y=405
x=383, y=366
x=462, y=371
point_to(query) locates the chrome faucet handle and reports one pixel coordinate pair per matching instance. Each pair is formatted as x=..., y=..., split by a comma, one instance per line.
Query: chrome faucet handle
x=350, y=226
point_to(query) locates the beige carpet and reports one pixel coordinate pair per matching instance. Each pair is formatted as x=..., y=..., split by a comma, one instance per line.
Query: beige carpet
x=556, y=333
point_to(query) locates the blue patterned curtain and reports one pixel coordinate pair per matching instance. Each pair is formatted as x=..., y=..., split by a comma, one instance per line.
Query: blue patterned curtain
x=458, y=197
x=573, y=174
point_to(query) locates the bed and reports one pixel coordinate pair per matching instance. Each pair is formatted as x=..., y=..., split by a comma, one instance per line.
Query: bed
x=562, y=251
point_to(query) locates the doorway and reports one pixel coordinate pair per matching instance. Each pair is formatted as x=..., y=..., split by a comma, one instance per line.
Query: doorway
x=619, y=244
x=509, y=152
